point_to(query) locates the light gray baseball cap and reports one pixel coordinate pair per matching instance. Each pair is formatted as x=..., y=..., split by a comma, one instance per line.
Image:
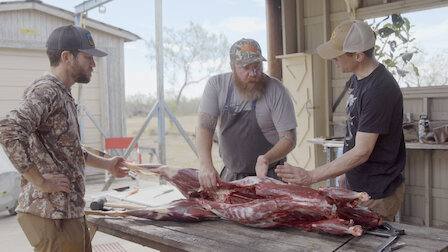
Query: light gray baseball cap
x=350, y=36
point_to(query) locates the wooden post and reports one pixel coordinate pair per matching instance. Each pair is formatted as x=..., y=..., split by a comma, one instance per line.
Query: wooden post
x=428, y=187
x=326, y=22
x=274, y=26
x=300, y=10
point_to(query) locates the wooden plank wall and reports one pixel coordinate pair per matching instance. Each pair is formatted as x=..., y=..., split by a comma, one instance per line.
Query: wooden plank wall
x=426, y=172
x=308, y=23
x=24, y=59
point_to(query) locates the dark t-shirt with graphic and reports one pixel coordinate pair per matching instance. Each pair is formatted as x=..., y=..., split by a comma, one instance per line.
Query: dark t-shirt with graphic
x=375, y=105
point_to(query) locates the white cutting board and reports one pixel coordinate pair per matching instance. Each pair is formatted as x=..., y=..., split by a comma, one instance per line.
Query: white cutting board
x=149, y=196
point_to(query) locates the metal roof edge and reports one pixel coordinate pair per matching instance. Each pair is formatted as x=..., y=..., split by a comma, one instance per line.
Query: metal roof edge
x=68, y=15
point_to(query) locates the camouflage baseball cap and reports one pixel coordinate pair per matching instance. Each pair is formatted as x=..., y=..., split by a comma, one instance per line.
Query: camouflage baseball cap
x=246, y=51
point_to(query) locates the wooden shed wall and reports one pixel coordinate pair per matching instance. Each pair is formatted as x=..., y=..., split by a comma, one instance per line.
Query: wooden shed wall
x=22, y=50
x=308, y=23
x=426, y=172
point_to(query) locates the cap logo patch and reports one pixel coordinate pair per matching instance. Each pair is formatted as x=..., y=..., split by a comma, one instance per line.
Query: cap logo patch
x=248, y=48
x=90, y=39
x=333, y=35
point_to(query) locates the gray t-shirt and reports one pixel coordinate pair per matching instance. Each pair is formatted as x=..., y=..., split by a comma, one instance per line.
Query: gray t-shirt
x=274, y=111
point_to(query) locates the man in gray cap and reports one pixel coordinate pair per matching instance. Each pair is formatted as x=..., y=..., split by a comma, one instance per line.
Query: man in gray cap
x=374, y=151
x=256, y=119
x=41, y=138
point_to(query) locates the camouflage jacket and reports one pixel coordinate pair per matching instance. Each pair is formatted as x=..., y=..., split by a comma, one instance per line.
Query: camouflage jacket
x=43, y=132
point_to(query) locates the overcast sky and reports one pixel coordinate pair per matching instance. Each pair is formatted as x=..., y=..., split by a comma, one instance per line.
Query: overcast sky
x=233, y=18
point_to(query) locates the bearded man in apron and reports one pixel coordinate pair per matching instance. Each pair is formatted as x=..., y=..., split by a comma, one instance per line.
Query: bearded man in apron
x=255, y=115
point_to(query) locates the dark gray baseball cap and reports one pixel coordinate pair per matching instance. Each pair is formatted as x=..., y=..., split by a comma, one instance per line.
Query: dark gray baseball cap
x=72, y=37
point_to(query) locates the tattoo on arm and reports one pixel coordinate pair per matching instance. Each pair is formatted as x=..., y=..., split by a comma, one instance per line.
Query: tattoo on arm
x=208, y=122
x=289, y=135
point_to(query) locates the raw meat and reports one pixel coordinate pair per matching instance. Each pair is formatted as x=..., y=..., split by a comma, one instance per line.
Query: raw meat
x=336, y=226
x=363, y=216
x=343, y=195
x=263, y=203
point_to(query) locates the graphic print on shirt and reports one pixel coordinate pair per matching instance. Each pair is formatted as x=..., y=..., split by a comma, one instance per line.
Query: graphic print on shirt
x=349, y=118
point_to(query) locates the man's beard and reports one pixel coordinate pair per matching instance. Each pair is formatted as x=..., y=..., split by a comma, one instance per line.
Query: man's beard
x=78, y=74
x=250, y=93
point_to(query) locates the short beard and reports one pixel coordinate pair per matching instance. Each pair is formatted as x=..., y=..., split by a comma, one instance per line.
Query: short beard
x=250, y=93
x=78, y=75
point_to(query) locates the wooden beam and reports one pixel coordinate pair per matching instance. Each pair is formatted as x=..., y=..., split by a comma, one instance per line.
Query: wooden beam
x=300, y=26
x=329, y=84
x=380, y=10
x=427, y=106
x=274, y=27
x=428, y=188
x=289, y=24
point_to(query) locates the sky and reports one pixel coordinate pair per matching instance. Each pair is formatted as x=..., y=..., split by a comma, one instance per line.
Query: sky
x=233, y=18
x=430, y=29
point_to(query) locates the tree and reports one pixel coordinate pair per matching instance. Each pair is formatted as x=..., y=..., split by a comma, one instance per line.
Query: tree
x=432, y=69
x=191, y=56
x=394, y=47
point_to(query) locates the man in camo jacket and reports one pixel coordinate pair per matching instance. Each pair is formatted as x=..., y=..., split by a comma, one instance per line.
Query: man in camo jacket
x=42, y=139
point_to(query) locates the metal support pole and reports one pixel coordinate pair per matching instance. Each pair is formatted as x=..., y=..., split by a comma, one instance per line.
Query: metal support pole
x=88, y=5
x=79, y=10
x=331, y=182
x=160, y=88
x=160, y=105
x=134, y=142
x=181, y=130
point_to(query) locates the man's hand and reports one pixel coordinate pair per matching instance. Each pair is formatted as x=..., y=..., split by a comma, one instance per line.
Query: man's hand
x=116, y=168
x=54, y=183
x=293, y=174
x=208, y=178
x=341, y=180
x=47, y=182
x=262, y=166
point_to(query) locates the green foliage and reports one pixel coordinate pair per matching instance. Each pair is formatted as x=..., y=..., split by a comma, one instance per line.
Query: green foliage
x=184, y=107
x=394, y=47
x=139, y=104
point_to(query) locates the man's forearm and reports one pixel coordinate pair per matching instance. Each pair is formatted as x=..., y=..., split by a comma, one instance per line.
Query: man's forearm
x=204, y=138
x=34, y=177
x=279, y=151
x=204, y=141
x=96, y=161
x=286, y=144
x=365, y=143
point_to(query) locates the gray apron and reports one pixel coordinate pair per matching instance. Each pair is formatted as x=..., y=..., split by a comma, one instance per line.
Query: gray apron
x=241, y=142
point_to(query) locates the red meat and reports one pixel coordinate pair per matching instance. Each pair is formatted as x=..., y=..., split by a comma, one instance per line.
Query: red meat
x=264, y=203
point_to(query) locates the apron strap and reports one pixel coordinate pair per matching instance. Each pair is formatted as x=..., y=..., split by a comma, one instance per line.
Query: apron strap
x=229, y=96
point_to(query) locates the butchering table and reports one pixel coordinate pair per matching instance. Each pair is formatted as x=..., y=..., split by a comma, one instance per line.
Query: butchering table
x=331, y=145
x=228, y=236
x=424, y=178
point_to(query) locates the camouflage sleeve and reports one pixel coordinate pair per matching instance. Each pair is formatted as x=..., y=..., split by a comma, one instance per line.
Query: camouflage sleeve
x=17, y=128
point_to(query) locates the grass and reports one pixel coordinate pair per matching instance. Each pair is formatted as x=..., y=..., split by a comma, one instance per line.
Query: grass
x=178, y=152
